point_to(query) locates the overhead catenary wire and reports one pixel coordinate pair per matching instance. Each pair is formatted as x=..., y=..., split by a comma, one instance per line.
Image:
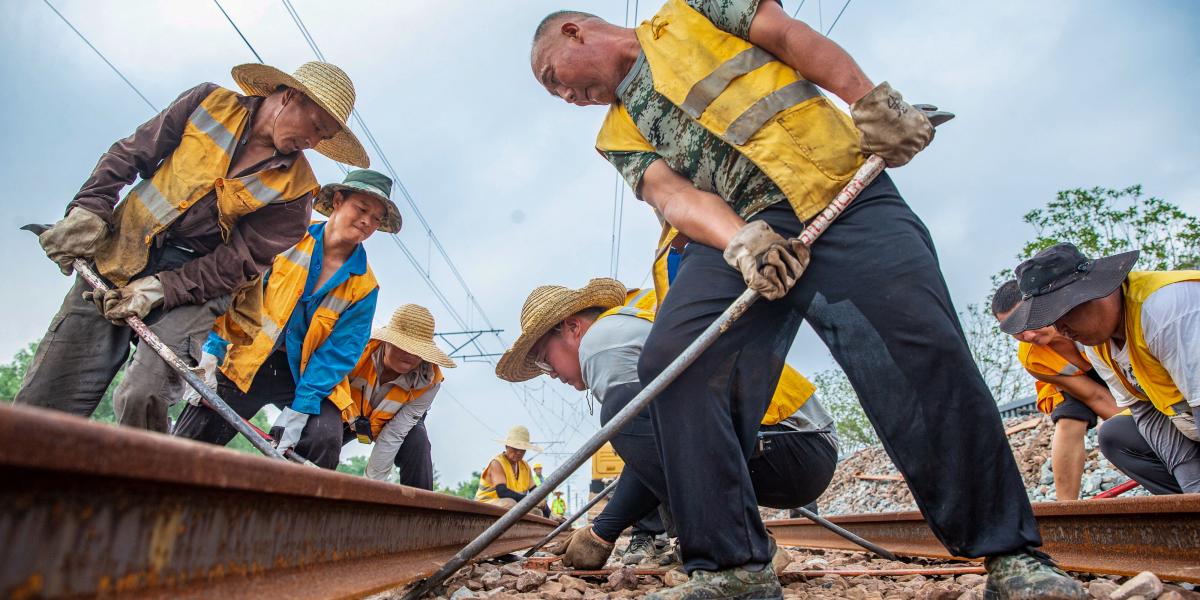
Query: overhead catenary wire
x=239, y=31
x=835, y=19
x=103, y=58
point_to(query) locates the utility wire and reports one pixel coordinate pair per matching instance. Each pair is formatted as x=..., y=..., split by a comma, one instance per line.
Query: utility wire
x=835, y=19
x=106, y=61
x=797, y=11
x=239, y=31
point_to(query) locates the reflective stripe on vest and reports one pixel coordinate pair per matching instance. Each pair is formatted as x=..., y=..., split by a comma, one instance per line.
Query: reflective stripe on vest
x=748, y=98
x=285, y=286
x=1152, y=376
x=518, y=482
x=198, y=165
x=355, y=395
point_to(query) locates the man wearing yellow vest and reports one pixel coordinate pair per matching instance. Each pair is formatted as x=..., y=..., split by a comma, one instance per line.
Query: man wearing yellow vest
x=1069, y=390
x=717, y=120
x=1143, y=324
x=558, y=507
x=385, y=397
x=507, y=478
x=224, y=188
x=591, y=339
x=318, y=305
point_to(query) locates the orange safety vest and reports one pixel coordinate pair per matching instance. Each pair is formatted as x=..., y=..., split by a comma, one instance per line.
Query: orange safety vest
x=354, y=396
x=519, y=482
x=1043, y=360
x=289, y=274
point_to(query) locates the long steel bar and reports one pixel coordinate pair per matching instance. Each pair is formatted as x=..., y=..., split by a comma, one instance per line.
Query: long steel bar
x=1118, y=536
x=575, y=517
x=88, y=509
x=848, y=535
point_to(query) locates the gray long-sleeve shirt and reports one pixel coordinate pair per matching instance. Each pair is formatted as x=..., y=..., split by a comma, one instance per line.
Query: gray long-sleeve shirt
x=391, y=437
x=222, y=266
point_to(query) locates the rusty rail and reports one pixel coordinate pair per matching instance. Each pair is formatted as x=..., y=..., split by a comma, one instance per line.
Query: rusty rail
x=1118, y=536
x=88, y=509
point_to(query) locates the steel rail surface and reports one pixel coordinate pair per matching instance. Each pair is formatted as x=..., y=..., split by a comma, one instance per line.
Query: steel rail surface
x=1118, y=536
x=89, y=509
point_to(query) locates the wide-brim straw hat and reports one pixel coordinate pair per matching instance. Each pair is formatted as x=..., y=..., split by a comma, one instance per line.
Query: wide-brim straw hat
x=518, y=437
x=363, y=181
x=411, y=330
x=546, y=307
x=1060, y=278
x=324, y=84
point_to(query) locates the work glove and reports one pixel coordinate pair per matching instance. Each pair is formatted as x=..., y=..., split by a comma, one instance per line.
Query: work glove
x=208, y=372
x=134, y=300
x=892, y=129
x=287, y=428
x=584, y=550
x=78, y=235
x=1185, y=422
x=770, y=264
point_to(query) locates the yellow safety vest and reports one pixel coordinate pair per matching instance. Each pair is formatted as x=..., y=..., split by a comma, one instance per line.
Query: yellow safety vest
x=289, y=274
x=1043, y=360
x=1160, y=389
x=748, y=98
x=792, y=391
x=558, y=507
x=198, y=165
x=353, y=396
x=519, y=482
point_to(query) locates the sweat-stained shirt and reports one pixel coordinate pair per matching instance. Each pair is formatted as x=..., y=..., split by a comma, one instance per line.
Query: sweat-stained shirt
x=220, y=267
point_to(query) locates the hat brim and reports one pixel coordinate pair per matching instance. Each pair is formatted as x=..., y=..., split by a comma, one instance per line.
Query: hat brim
x=392, y=222
x=519, y=445
x=1035, y=312
x=261, y=80
x=516, y=365
x=423, y=349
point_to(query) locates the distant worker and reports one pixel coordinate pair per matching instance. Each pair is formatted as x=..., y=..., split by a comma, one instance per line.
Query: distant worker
x=537, y=474
x=385, y=398
x=1143, y=324
x=591, y=339
x=1069, y=390
x=507, y=478
x=319, y=302
x=558, y=506
x=224, y=188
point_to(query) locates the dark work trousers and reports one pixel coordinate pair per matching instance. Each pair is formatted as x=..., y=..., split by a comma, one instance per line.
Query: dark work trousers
x=1123, y=445
x=794, y=469
x=414, y=458
x=82, y=351
x=321, y=439
x=875, y=295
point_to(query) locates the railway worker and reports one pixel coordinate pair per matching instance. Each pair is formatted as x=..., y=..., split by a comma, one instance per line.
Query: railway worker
x=507, y=478
x=710, y=123
x=537, y=474
x=224, y=188
x=1069, y=390
x=319, y=301
x=591, y=339
x=1142, y=324
x=558, y=507
x=385, y=398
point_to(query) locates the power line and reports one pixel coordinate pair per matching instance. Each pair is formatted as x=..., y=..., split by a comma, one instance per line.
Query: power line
x=835, y=20
x=797, y=11
x=239, y=31
x=106, y=61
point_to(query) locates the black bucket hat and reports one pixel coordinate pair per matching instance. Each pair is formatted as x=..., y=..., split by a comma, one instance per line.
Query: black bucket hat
x=1060, y=278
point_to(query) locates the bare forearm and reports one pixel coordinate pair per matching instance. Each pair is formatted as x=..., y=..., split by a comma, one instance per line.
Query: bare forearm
x=816, y=57
x=701, y=216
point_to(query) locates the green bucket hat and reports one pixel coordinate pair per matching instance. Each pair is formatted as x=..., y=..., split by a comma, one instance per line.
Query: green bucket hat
x=363, y=181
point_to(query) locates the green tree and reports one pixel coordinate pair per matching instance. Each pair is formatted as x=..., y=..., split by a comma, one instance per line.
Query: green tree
x=465, y=489
x=13, y=373
x=355, y=465
x=854, y=430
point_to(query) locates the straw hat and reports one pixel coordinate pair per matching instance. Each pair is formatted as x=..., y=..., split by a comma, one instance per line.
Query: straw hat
x=411, y=330
x=363, y=181
x=546, y=307
x=518, y=437
x=324, y=84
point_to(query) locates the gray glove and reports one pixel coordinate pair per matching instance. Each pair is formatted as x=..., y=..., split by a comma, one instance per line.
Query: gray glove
x=287, y=429
x=207, y=368
x=584, y=550
x=1185, y=421
x=134, y=300
x=770, y=264
x=78, y=235
x=891, y=128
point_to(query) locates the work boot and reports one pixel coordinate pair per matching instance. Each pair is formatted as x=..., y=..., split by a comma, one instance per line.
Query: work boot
x=1027, y=576
x=641, y=547
x=780, y=558
x=738, y=583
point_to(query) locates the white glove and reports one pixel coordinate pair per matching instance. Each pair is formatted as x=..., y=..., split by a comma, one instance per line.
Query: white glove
x=208, y=372
x=1185, y=422
x=287, y=429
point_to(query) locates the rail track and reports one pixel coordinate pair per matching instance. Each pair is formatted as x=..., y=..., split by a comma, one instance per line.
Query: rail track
x=88, y=509
x=1116, y=536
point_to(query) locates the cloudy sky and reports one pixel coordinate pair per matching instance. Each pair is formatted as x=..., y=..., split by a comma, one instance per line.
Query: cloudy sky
x=1049, y=96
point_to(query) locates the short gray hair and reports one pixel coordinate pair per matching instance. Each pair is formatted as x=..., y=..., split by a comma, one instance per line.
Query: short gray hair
x=554, y=18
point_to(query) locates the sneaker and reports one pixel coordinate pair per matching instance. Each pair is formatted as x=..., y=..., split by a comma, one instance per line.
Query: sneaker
x=738, y=583
x=1029, y=575
x=640, y=548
